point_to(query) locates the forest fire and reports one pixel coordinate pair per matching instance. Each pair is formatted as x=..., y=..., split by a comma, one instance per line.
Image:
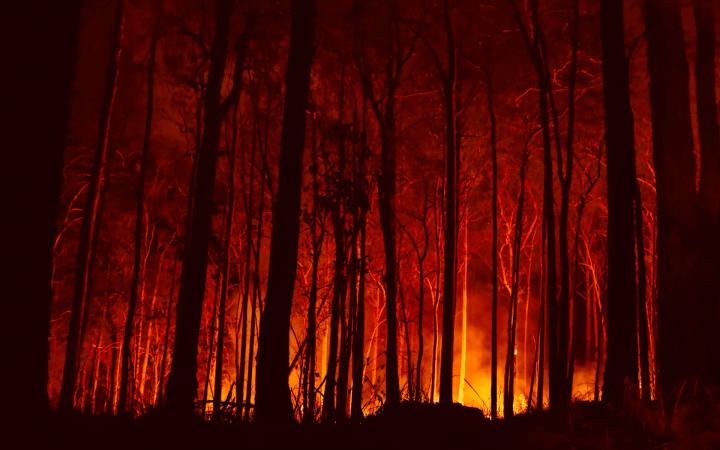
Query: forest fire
x=354, y=215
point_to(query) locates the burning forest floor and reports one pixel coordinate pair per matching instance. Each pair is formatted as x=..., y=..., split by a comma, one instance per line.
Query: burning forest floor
x=410, y=426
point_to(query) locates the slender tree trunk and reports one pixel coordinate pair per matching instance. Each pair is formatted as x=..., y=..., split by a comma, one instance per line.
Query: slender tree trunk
x=90, y=215
x=509, y=393
x=421, y=294
x=359, y=332
x=642, y=303
x=240, y=380
x=408, y=349
x=436, y=298
x=329, y=397
x=494, y=250
x=347, y=321
x=139, y=215
x=211, y=343
x=317, y=244
x=564, y=333
x=463, y=319
x=237, y=82
x=159, y=397
x=450, y=259
x=256, y=295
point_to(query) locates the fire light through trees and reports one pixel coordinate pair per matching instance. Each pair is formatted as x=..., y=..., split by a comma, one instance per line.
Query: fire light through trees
x=347, y=206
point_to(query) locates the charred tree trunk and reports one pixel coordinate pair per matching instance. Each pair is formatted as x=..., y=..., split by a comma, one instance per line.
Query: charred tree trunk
x=160, y=396
x=709, y=189
x=494, y=250
x=90, y=216
x=240, y=376
x=359, y=332
x=450, y=263
x=34, y=132
x=619, y=135
x=139, y=215
x=679, y=349
x=329, y=397
x=256, y=298
x=182, y=382
x=358, y=345
x=273, y=396
x=509, y=393
x=317, y=244
x=237, y=83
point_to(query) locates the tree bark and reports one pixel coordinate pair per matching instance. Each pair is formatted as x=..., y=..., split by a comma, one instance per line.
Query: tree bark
x=272, y=392
x=139, y=215
x=679, y=353
x=88, y=229
x=237, y=86
x=450, y=263
x=33, y=132
x=182, y=382
x=709, y=189
x=619, y=136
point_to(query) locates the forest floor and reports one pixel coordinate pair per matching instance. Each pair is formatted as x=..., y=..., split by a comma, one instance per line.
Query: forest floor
x=410, y=426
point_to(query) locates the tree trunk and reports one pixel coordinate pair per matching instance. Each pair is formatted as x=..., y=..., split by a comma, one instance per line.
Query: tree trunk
x=679, y=353
x=139, y=215
x=254, y=307
x=709, y=189
x=621, y=318
x=237, y=83
x=33, y=132
x=359, y=332
x=494, y=250
x=273, y=396
x=159, y=396
x=449, y=291
x=90, y=215
x=182, y=382
x=339, y=283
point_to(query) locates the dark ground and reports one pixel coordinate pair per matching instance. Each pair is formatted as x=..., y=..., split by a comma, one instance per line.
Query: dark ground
x=411, y=426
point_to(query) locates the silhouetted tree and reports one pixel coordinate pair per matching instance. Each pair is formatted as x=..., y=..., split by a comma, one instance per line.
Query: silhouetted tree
x=622, y=354
x=709, y=186
x=234, y=98
x=450, y=258
x=139, y=216
x=182, y=382
x=272, y=393
x=678, y=352
x=36, y=112
x=383, y=103
x=88, y=230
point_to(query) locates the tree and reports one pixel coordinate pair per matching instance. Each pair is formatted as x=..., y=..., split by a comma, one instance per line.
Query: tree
x=272, y=396
x=88, y=231
x=494, y=250
x=139, y=215
x=673, y=157
x=383, y=105
x=450, y=263
x=709, y=186
x=182, y=382
x=237, y=83
x=33, y=132
x=619, y=136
